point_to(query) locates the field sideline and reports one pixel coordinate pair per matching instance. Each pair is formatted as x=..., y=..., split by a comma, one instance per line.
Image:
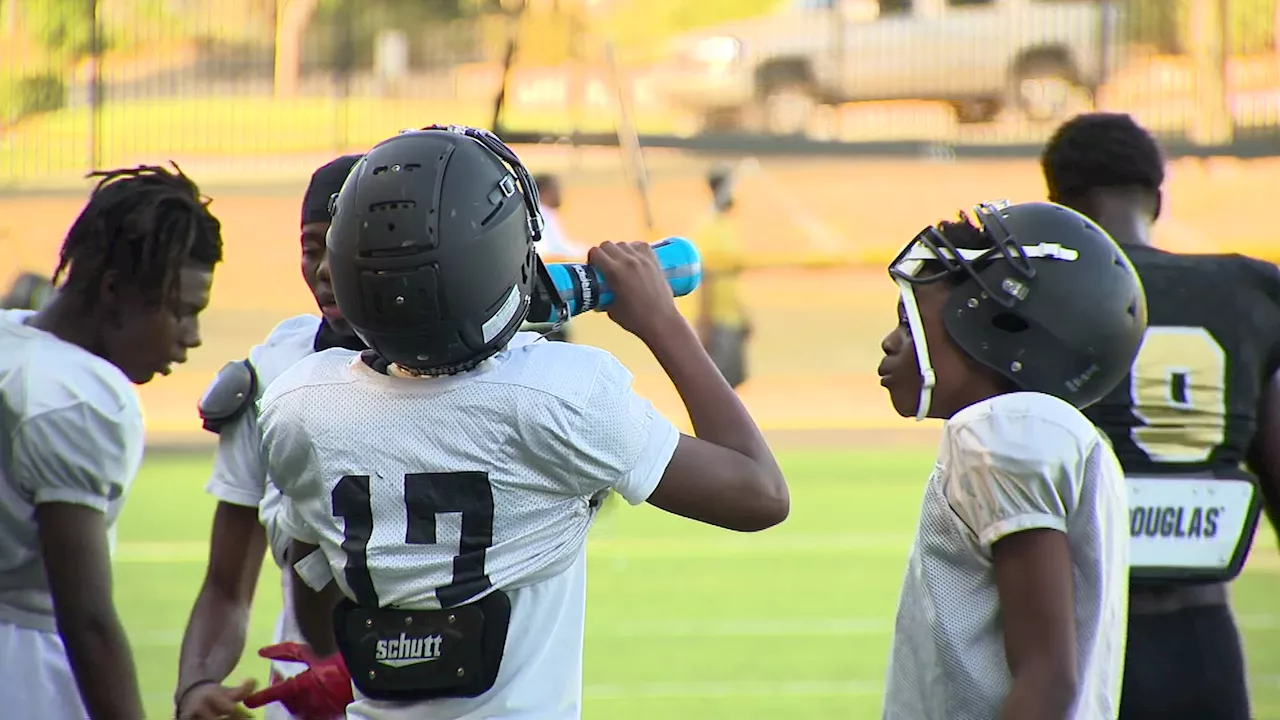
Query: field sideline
x=684, y=621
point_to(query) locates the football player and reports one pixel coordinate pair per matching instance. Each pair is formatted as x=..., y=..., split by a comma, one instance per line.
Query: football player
x=138, y=266
x=215, y=635
x=445, y=508
x=1201, y=402
x=554, y=245
x=722, y=317
x=1014, y=600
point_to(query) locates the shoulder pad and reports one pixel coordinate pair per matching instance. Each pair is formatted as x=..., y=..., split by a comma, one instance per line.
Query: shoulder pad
x=229, y=395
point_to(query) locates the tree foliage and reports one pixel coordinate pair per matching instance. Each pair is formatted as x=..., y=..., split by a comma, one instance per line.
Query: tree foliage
x=1163, y=25
x=64, y=27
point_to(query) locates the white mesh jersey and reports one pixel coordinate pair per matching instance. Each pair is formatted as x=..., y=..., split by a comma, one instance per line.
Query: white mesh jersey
x=74, y=434
x=239, y=477
x=497, y=472
x=1009, y=464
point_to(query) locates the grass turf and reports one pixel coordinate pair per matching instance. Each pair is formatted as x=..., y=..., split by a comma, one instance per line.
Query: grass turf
x=684, y=621
x=58, y=143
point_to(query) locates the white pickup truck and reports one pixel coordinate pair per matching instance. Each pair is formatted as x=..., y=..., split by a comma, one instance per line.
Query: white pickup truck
x=771, y=73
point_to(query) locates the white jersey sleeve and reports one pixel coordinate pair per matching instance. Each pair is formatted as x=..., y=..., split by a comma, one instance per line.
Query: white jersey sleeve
x=77, y=436
x=239, y=477
x=1014, y=464
x=554, y=243
x=79, y=454
x=74, y=434
x=609, y=438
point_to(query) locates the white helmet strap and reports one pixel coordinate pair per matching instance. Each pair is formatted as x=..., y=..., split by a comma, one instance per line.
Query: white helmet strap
x=927, y=377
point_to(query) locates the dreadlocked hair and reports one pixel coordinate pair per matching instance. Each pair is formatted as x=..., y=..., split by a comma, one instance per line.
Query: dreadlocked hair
x=144, y=223
x=1101, y=150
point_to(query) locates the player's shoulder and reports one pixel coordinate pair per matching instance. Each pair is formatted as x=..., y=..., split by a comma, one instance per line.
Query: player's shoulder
x=566, y=372
x=1262, y=275
x=1231, y=271
x=1023, y=424
x=292, y=329
x=44, y=373
x=287, y=343
x=315, y=370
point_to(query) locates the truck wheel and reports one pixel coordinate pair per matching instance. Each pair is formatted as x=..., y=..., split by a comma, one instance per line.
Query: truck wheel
x=970, y=112
x=788, y=107
x=1043, y=88
x=722, y=121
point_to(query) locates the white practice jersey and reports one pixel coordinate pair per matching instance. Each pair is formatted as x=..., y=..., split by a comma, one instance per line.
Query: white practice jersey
x=555, y=245
x=1013, y=463
x=75, y=435
x=498, y=472
x=240, y=478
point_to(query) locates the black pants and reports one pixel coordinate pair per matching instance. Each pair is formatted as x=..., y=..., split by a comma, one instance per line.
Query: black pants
x=727, y=346
x=1184, y=665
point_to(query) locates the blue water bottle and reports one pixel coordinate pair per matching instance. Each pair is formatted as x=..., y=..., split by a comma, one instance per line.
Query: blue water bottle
x=583, y=288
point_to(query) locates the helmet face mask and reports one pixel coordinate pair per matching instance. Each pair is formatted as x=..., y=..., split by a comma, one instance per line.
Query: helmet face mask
x=431, y=248
x=1050, y=302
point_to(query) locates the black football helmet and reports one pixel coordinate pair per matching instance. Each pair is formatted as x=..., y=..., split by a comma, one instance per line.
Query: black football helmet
x=1051, y=303
x=431, y=248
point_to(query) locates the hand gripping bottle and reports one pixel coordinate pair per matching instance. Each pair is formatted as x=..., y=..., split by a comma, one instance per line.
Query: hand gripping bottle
x=583, y=288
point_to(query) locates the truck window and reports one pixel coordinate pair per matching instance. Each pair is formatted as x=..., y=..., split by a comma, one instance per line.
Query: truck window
x=889, y=8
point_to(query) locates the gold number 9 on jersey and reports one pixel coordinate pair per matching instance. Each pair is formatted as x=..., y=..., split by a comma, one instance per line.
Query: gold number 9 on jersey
x=1179, y=394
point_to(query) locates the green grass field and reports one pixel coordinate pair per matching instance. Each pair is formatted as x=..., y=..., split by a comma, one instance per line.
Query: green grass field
x=684, y=621
x=58, y=143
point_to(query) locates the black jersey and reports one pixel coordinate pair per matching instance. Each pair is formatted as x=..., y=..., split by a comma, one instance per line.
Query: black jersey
x=1212, y=344
x=1189, y=409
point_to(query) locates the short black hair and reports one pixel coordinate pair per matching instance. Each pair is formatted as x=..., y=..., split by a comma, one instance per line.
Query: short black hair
x=1101, y=150
x=719, y=176
x=144, y=223
x=962, y=233
x=546, y=180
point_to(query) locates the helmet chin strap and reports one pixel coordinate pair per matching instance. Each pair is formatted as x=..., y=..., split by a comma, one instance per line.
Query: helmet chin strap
x=927, y=376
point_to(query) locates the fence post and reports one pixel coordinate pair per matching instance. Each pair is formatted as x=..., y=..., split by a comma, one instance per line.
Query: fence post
x=95, y=86
x=1211, y=121
x=343, y=65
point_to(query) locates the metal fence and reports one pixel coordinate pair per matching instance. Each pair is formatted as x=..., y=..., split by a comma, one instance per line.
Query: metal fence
x=93, y=83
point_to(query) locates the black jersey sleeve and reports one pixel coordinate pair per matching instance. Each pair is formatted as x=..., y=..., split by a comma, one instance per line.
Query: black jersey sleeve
x=1264, y=277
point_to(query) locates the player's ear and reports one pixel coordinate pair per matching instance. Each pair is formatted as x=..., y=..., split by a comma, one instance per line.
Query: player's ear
x=108, y=293
x=1159, y=204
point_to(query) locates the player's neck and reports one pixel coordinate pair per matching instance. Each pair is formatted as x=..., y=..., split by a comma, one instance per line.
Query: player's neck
x=1126, y=228
x=69, y=323
x=1123, y=213
x=981, y=385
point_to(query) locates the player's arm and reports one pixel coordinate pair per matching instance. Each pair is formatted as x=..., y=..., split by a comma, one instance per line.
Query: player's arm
x=726, y=475
x=215, y=636
x=313, y=608
x=73, y=540
x=1013, y=498
x=214, y=639
x=70, y=460
x=1264, y=457
x=1035, y=584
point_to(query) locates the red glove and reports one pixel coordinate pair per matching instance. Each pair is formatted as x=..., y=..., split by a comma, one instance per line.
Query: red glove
x=321, y=692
